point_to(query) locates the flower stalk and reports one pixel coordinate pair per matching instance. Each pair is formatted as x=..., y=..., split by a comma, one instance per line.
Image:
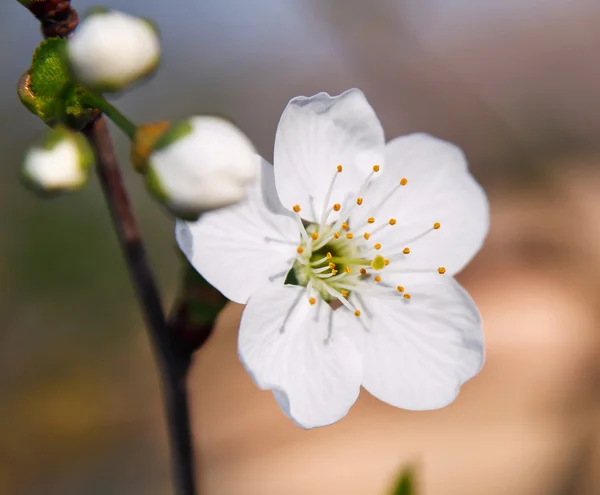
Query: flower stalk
x=94, y=100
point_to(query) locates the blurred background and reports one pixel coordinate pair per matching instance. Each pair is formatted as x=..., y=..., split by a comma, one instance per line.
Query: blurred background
x=516, y=83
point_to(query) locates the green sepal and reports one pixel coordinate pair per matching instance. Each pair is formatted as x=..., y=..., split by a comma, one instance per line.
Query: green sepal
x=48, y=91
x=176, y=132
x=156, y=189
x=405, y=485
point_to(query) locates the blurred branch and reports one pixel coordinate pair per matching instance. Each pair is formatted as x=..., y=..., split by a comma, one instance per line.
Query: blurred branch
x=59, y=19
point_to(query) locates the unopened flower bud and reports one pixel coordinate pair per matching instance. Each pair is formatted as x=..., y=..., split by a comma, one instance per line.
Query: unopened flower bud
x=60, y=162
x=201, y=164
x=110, y=50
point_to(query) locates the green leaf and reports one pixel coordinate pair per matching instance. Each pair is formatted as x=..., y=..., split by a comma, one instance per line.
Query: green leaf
x=405, y=485
x=47, y=88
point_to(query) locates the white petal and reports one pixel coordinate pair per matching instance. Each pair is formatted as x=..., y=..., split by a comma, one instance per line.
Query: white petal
x=113, y=49
x=314, y=379
x=237, y=249
x=317, y=134
x=418, y=352
x=439, y=189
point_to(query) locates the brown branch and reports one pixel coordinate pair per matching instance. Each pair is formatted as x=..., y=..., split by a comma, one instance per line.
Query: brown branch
x=174, y=363
x=174, y=352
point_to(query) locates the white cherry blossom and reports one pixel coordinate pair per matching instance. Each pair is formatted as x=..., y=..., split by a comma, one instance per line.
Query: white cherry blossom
x=344, y=253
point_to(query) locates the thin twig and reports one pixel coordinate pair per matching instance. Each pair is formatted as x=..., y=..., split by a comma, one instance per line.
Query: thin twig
x=175, y=364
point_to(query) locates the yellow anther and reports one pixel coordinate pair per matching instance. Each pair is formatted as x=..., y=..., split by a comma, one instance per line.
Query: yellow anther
x=312, y=300
x=392, y=221
x=377, y=279
x=357, y=313
x=400, y=288
x=344, y=293
x=315, y=236
x=404, y=181
x=366, y=235
x=436, y=225
x=377, y=246
x=339, y=168
x=375, y=168
x=336, y=207
x=363, y=271
x=387, y=262
x=441, y=270
x=331, y=266
x=371, y=220
x=349, y=235
x=347, y=269
x=378, y=262
x=334, y=272
x=329, y=256
x=296, y=208
x=345, y=226
x=359, y=201
x=406, y=296
x=300, y=250
x=406, y=251
x=336, y=235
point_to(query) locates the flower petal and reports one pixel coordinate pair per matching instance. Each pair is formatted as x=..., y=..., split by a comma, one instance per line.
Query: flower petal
x=439, y=189
x=418, y=352
x=240, y=248
x=314, y=136
x=313, y=370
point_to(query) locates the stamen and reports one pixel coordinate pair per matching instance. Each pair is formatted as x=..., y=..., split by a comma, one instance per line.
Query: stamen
x=345, y=226
x=377, y=246
x=312, y=301
x=387, y=262
x=326, y=210
x=315, y=236
x=375, y=168
x=406, y=251
x=359, y=201
x=371, y=220
x=406, y=296
x=331, y=266
x=344, y=293
x=400, y=288
x=296, y=208
x=403, y=181
x=366, y=235
x=441, y=270
x=336, y=207
x=336, y=235
x=348, y=269
x=328, y=256
x=377, y=279
x=392, y=221
x=436, y=225
x=357, y=313
x=349, y=235
x=300, y=250
x=363, y=271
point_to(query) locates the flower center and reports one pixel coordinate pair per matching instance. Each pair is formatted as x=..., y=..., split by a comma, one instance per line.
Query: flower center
x=337, y=261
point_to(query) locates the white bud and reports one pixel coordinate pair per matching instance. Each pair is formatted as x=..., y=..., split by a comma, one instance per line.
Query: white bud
x=59, y=163
x=201, y=164
x=110, y=50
